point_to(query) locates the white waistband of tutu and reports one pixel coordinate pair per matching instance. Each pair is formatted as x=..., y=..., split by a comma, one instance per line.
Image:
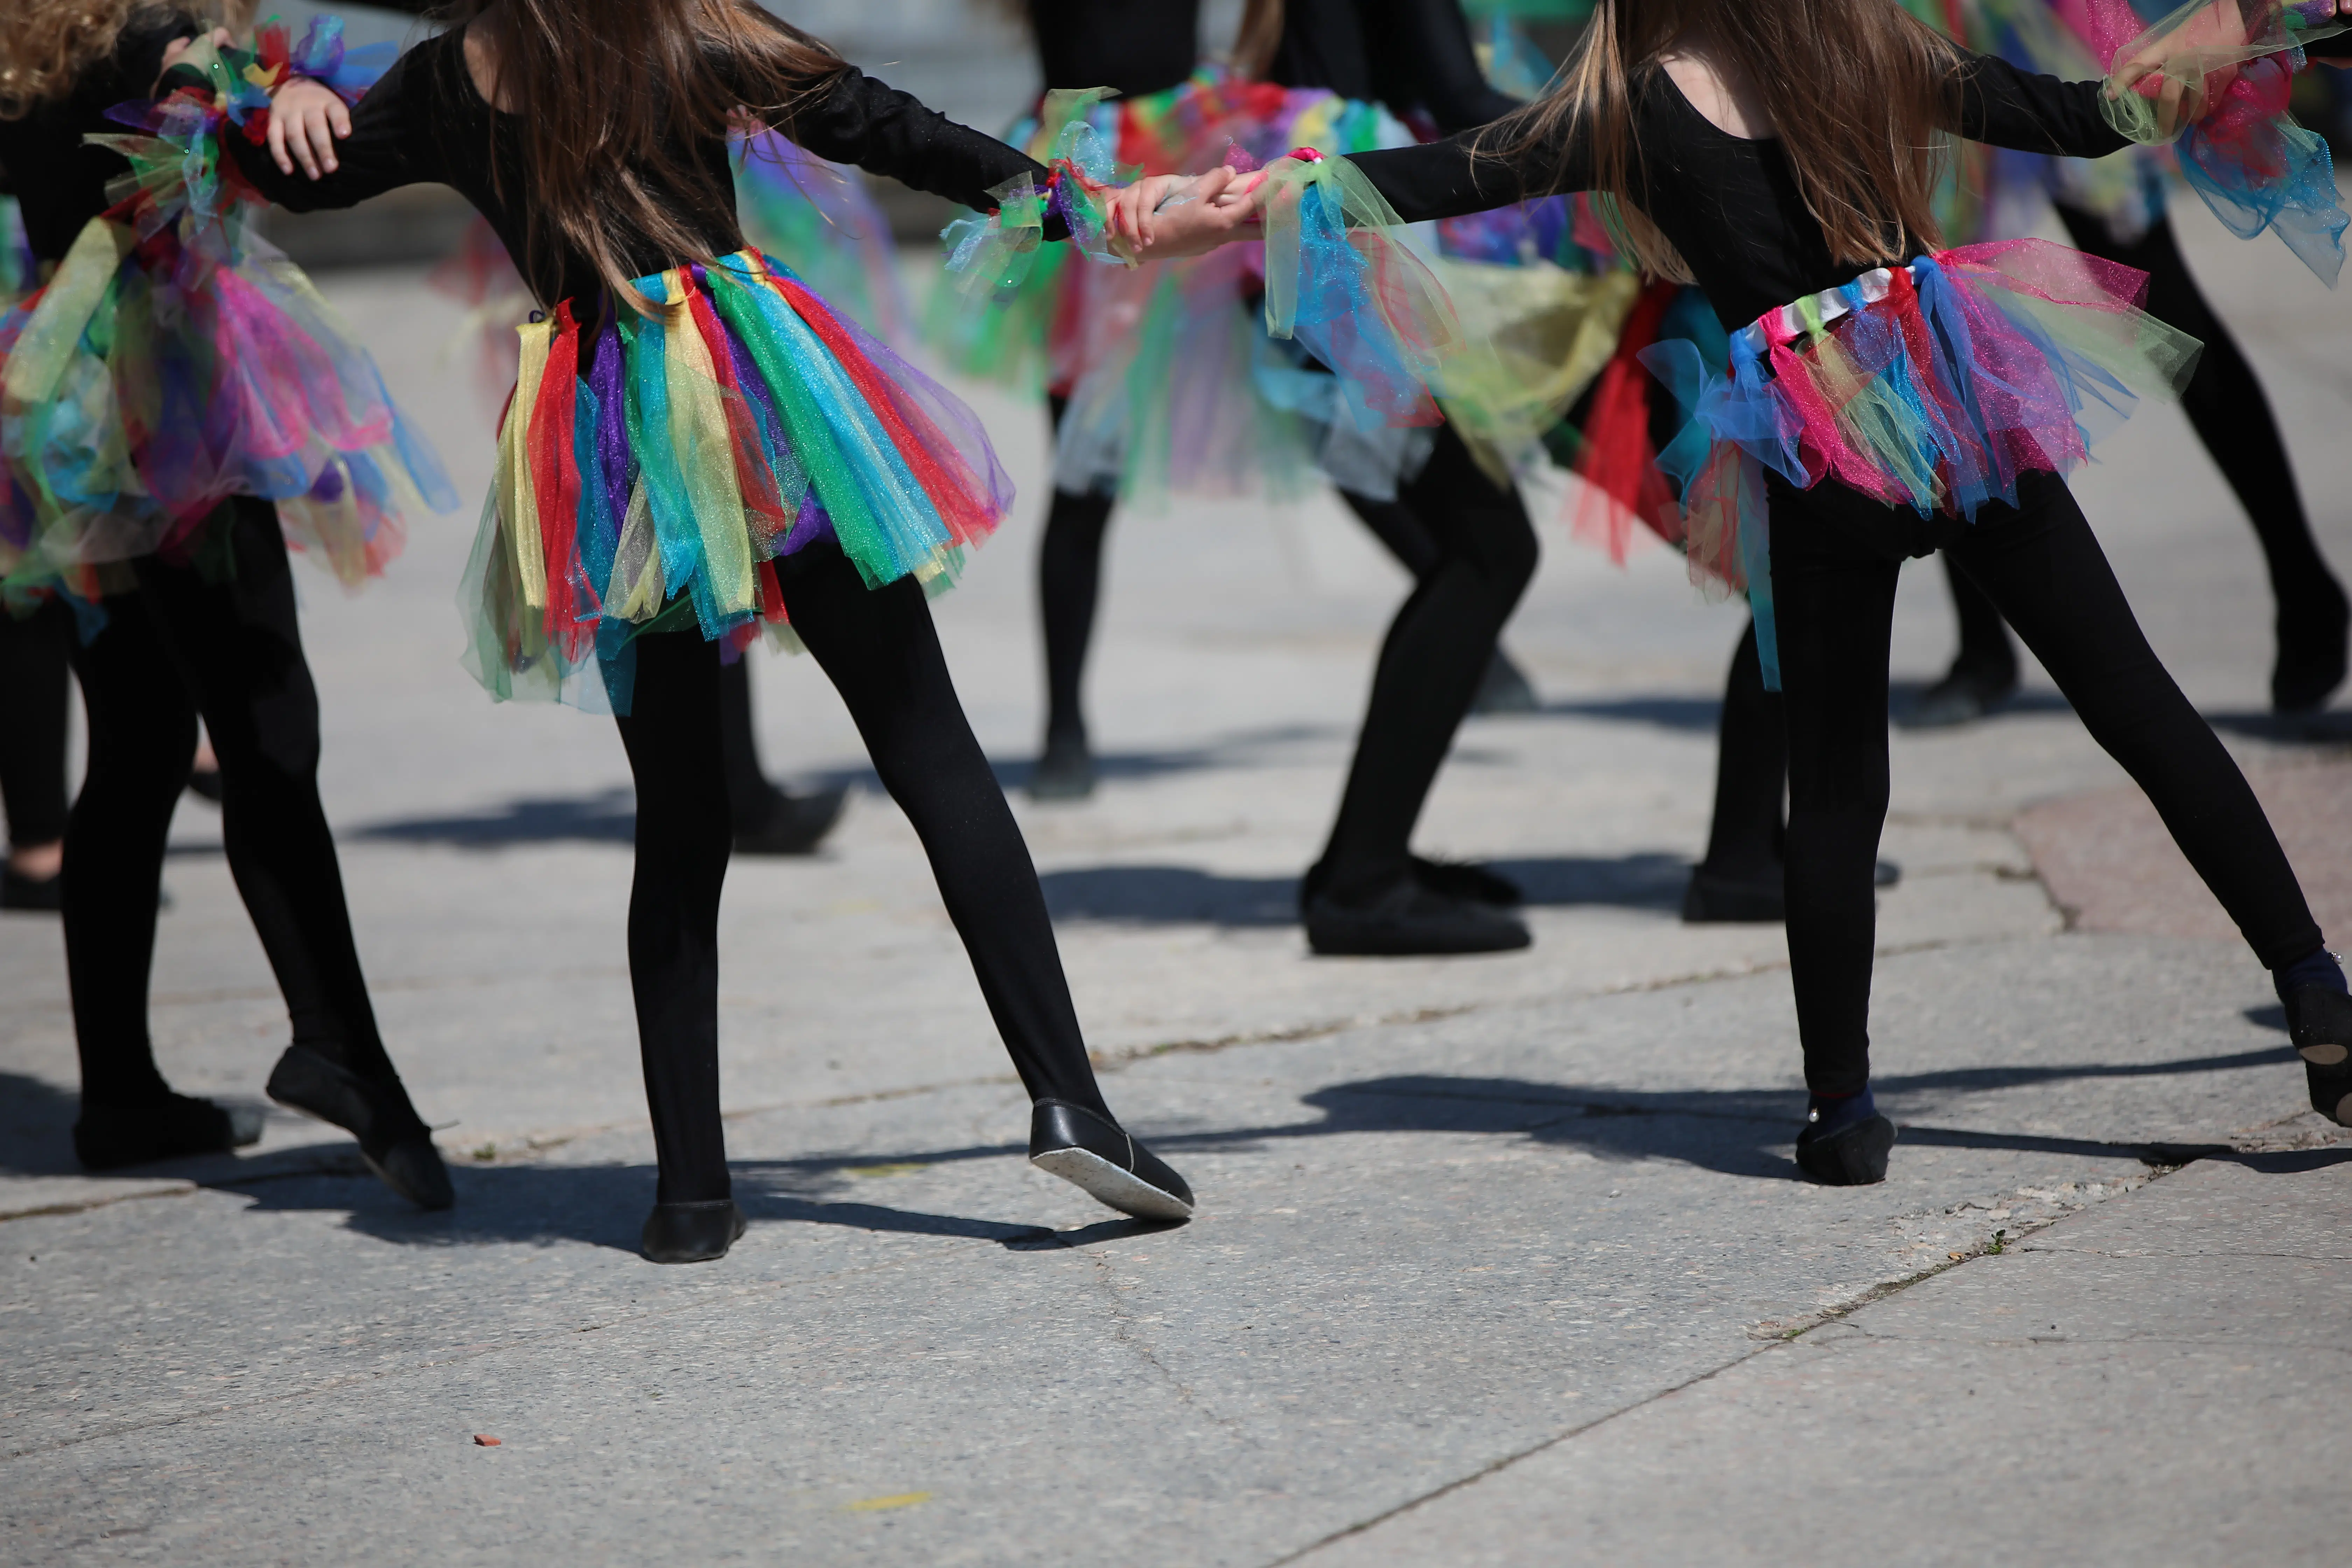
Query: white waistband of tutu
x=1830, y=303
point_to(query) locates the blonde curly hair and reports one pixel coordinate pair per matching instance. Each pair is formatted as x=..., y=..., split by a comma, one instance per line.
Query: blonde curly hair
x=49, y=43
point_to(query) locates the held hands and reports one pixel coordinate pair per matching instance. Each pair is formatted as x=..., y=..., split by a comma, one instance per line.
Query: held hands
x=1169, y=217
x=305, y=118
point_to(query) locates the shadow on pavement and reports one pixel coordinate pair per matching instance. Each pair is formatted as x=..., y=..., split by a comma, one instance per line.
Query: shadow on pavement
x=1174, y=895
x=609, y=817
x=1745, y=1132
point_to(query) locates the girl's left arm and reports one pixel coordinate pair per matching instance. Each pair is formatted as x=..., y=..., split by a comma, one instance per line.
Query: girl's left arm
x=2005, y=107
x=1450, y=178
x=853, y=118
x=386, y=148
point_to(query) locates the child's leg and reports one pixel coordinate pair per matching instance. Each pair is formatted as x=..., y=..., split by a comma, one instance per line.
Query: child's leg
x=143, y=732
x=239, y=642
x=1739, y=879
x=882, y=653
x=682, y=838
x=2044, y=567
x=1834, y=601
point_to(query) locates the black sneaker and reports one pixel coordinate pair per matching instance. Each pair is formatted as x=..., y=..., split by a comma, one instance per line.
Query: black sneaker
x=1066, y=770
x=1854, y=1156
x=108, y=1137
x=1099, y=1156
x=792, y=824
x=2319, y=1021
x=394, y=1140
x=33, y=895
x=691, y=1232
x=1409, y=920
x=1962, y=697
x=1503, y=688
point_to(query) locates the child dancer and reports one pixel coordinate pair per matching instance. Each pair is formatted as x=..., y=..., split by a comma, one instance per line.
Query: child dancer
x=177, y=399
x=698, y=444
x=1885, y=400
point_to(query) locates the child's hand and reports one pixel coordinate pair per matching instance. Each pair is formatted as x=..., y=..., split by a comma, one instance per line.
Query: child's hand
x=175, y=51
x=305, y=118
x=1169, y=217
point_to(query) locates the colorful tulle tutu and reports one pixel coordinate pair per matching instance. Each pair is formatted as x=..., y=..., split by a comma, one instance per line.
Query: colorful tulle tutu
x=653, y=469
x=1933, y=386
x=175, y=359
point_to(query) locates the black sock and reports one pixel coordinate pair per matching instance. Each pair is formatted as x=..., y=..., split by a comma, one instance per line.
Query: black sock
x=2317, y=968
x=1830, y=1114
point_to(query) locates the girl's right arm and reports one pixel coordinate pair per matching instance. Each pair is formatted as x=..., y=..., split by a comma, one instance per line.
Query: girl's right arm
x=2005, y=107
x=853, y=118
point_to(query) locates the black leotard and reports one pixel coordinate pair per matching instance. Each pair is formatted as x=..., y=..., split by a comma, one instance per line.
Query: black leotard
x=1407, y=54
x=1730, y=204
x=1134, y=46
x=426, y=123
x=58, y=181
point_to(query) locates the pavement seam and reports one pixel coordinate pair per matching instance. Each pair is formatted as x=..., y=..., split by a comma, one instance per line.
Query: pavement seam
x=1800, y=1329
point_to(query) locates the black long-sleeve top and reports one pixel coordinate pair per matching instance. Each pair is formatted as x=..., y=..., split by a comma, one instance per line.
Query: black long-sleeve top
x=1134, y=46
x=1731, y=205
x=425, y=122
x=1407, y=54
x=60, y=182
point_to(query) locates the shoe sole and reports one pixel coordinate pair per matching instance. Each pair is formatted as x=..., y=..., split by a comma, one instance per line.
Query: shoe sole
x=1110, y=1186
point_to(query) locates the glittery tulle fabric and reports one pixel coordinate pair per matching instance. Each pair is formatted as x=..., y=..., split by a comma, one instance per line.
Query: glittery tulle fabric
x=653, y=469
x=1932, y=386
x=2243, y=154
x=175, y=359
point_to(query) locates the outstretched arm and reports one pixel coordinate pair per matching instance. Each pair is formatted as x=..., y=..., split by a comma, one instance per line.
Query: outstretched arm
x=2006, y=107
x=1449, y=178
x=856, y=120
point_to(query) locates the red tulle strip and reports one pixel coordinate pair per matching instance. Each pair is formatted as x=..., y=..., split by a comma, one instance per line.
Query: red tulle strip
x=555, y=476
x=1618, y=464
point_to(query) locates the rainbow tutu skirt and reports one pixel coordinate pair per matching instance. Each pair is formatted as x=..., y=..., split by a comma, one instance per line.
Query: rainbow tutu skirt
x=1933, y=386
x=653, y=469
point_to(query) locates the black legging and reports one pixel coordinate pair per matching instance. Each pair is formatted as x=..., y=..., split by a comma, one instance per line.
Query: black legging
x=881, y=652
x=2227, y=408
x=220, y=639
x=34, y=655
x=1436, y=651
x=1471, y=550
x=1835, y=557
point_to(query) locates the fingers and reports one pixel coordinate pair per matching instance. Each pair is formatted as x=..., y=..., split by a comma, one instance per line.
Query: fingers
x=322, y=131
x=275, y=138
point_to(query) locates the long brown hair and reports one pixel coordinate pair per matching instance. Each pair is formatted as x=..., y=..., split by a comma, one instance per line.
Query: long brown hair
x=1861, y=95
x=607, y=95
x=46, y=45
x=1258, y=37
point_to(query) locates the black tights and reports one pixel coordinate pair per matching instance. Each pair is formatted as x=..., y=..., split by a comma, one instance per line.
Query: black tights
x=881, y=652
x=1437, y=648
x=2226, y=407
x=232, y=651
x=1471, y=550
x=1835, y=557
x=33, y=653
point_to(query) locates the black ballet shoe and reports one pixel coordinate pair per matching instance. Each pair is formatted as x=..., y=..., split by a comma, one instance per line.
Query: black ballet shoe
x=33, y=894
x=393, y=1138
x=2319, y=1021
x=792, y=824
x=1854, y=1156
x=691, y=1232
x=1469, y=880
x=1964, y=696
x=108, y=1137
x=1454, y=878
x=1503, y=688
x=1102, y=1159
x=2311, y=655
x=1066, y=770
x=1409, y=920
x=1713, y=898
